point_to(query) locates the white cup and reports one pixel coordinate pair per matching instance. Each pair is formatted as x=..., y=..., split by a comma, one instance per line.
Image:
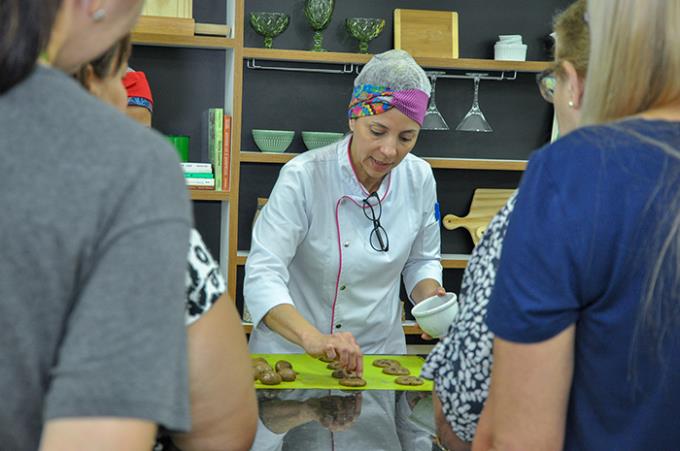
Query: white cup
x=435, y=314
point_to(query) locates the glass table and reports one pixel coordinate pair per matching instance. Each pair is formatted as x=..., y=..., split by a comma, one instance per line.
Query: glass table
x=369, y=420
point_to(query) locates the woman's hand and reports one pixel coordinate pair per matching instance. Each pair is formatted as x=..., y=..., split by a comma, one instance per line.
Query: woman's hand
x=340, y=346
x=426, y=289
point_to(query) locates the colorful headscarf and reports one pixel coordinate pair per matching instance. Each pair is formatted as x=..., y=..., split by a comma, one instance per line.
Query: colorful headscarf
x=369, y=100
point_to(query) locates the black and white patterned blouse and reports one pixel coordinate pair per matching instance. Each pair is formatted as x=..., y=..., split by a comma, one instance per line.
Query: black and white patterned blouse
x=204, y=282
x=460, y=364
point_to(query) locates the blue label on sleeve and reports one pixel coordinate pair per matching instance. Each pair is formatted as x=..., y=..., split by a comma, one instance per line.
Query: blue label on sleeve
x=437, y=214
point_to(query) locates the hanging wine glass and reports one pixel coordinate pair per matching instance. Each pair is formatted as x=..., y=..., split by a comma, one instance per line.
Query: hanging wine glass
x=474, y=120
x=433, y=118
x=318, y=14
x=269, y=25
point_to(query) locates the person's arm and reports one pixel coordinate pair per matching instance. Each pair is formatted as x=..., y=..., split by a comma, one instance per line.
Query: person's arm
x=140, y=114
x=285, y=320
x=423, y=271
x=223, y=403
x=104, y=434
x=529, y=395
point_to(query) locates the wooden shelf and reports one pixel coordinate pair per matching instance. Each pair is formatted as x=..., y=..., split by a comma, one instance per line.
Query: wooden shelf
x=437, y=163
x=171, y=40
x=202, y=194
x=449, y=261
x=409, y=328
x=358, y=58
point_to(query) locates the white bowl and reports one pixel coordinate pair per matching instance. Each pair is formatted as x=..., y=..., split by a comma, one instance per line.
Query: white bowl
x=512, y=52
x=435, y=314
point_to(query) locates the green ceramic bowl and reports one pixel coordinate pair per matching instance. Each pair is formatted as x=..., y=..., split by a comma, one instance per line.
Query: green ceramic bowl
x=273, y=140
x=319, y=139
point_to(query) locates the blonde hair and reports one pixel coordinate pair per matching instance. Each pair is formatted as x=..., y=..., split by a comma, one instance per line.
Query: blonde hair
x=635, y=67
x=634, y=58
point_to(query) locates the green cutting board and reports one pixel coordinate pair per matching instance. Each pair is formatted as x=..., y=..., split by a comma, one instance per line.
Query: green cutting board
x=313, y=374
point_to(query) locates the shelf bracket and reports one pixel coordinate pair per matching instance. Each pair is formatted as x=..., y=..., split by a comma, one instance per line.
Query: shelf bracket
x=346, y=68
x=482, y=76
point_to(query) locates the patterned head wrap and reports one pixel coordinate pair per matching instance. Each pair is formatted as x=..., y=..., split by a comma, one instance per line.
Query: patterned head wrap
x=390, y=80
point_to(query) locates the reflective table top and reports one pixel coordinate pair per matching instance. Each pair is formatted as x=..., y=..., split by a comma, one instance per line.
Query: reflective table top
x=370, y=420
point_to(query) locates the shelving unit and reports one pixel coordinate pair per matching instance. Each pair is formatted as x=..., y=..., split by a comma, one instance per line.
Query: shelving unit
x=171, y=40
x=231, y=258
x=219, y=196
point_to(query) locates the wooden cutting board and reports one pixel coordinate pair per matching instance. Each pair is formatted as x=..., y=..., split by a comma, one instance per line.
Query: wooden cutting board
x=485, y=204
x=426, y=33
x=313, y=374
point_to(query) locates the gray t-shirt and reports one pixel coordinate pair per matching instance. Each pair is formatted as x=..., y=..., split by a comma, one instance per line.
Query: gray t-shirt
x=94, y=229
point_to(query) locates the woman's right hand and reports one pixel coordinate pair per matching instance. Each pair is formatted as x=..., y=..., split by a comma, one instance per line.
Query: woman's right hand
x=340, y=346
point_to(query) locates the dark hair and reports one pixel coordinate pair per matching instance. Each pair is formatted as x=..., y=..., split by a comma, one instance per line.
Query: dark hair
x=109, y=63
x=25, y=29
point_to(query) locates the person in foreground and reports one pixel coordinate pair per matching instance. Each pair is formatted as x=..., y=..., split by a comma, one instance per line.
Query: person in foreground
x=94, y=249
x=224, y=407
x=460, y=364
x=343, y=223
x=587, y=347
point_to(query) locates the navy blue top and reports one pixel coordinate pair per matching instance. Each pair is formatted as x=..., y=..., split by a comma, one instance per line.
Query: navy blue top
x=589, y=222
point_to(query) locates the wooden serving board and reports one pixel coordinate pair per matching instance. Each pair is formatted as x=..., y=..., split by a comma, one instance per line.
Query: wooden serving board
x=485, y=204
x=313, y=374
x=426, y=33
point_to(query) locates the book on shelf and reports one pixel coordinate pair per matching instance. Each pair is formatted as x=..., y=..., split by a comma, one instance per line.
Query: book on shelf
x=198, y=175
x=196, y=182
x=213, y=127
x=226, y=153
x=196, y=168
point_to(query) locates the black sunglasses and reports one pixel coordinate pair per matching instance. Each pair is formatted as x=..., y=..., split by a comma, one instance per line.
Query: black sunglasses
x=378, y=239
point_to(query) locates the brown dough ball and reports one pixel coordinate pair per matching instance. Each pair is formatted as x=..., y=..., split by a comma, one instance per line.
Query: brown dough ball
x=270, y=378
x=396, y=371
x=282, y=364
x=384, y=363
x=258, y=359
x=353, y=381
x=287, y=374
x=339, y=374
x=323, y=358
x=334, y=365
x=409, y=380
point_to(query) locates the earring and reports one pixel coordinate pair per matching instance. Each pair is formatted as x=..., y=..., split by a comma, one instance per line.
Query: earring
x=98, y=15
x=571, y=104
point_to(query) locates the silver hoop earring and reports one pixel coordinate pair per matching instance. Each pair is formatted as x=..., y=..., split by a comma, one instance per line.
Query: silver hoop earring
x=99, y=15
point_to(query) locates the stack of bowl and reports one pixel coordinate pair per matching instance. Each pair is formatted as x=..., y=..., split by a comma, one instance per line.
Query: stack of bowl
x=510, y=48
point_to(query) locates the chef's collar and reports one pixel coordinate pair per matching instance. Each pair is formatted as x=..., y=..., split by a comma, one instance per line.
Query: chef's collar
x=354, y=186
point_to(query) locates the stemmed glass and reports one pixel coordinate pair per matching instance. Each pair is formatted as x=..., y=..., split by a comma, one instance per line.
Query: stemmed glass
x=318, y=14
x=364, y=29
x=474, y=120
x=269, y=25
x=433, y=118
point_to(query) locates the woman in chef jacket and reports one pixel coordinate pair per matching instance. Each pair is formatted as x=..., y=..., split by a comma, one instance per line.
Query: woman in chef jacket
x=343, y=223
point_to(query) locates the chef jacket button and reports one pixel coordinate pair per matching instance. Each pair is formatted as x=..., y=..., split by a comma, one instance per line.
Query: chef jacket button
x=338, y=326
x=346, y=244
x=342, y=287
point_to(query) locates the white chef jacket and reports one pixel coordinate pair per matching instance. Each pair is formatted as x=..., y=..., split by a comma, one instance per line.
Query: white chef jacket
x=310, y=248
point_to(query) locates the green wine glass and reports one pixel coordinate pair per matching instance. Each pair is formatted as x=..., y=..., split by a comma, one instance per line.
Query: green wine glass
x=318, y=14
x=269, y=25
x=364, y=29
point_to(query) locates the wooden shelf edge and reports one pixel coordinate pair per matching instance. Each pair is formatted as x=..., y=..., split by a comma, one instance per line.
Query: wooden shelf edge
x=409, y=329
x=202, y=194
x=358, y=58
x=449, y=261
x=437, y=163
x=171, y=40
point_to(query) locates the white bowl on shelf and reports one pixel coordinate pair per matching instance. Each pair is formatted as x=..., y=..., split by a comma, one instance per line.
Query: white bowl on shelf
x=434, y=315
x=510, y=52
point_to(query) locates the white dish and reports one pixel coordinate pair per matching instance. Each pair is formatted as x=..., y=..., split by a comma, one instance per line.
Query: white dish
x=515, y=52
x=435, y=314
